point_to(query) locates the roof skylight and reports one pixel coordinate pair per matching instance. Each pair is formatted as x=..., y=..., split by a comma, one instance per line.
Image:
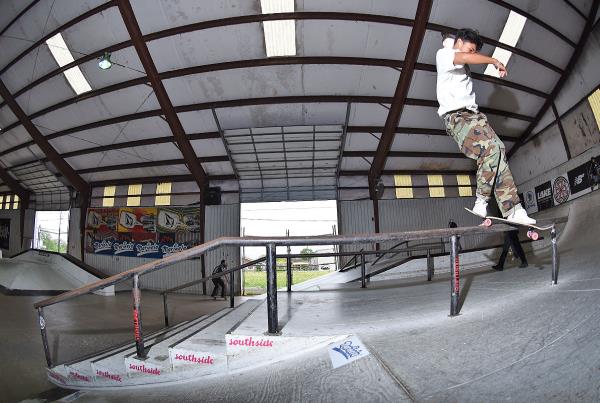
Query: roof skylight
x=280, y=36
x=63, y=56
x=510, y=36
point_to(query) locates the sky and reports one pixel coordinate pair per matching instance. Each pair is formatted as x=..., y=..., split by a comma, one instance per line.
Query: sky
x=301, y=218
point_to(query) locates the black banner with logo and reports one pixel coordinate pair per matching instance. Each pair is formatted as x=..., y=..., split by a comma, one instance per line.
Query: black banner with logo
x=4, y=234
x=579, y=178
x=544, y=196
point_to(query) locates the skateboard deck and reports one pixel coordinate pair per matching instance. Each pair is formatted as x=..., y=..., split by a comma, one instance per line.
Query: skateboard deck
x=531, y=228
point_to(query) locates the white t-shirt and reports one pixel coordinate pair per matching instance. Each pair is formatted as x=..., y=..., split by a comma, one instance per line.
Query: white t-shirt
x=454, y=85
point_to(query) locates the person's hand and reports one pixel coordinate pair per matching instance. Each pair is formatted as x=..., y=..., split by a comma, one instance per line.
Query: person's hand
x=502, y=72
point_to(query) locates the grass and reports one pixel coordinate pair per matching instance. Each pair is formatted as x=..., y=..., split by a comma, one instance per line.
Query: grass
x=258, y=279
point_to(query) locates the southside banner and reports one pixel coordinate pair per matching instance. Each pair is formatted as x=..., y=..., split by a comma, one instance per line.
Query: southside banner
x=147, y=232
x=4, y=234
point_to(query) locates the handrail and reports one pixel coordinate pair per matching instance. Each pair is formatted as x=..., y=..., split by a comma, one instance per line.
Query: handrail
x=274, y=241
x=217, y=275
x=351, y=260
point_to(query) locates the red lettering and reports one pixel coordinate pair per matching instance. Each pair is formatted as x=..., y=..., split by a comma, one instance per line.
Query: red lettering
x=456, y=275
x=136, y=325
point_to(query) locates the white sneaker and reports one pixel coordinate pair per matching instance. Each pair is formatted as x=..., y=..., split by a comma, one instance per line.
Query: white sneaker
x=519, y=215
x=480, y=207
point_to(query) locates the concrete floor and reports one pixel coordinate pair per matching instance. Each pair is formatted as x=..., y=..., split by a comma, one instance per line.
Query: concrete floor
x=77, y=327
x=517, y=339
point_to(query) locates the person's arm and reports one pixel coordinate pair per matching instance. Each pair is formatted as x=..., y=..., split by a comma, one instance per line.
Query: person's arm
x=478, y=58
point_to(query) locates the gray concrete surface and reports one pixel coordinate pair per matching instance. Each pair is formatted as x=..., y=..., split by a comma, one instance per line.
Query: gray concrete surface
x=517, y=338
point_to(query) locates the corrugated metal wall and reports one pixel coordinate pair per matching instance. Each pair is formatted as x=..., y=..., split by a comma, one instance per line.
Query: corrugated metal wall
x=421, y=214
x=223, y=220
x=355, y=217
x=409, y=215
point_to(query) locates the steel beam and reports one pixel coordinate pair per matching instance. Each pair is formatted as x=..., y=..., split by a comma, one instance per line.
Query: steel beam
x=42, y=142
x=561, y=82
x=400, y=95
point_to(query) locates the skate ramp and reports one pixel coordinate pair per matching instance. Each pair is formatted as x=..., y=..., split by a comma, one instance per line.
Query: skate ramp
x=37, y=272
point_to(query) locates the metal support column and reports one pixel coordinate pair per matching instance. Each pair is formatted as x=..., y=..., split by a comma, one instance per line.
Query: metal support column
x=166, y=309
x=137, y=318
x=363, y=272
x=289, y=273
x=430, y=264
x=454, y=276
x=271, y=261
x=231, y=289
x=42, y=322
x=554, y=256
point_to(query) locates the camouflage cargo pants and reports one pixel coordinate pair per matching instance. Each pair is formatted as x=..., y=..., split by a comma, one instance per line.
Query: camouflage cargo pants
x=477, y=140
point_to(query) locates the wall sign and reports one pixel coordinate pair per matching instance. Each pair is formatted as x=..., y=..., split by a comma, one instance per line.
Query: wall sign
x=4, y=234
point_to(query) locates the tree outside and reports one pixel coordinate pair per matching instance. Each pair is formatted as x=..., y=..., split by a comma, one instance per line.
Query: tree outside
x=51, y=244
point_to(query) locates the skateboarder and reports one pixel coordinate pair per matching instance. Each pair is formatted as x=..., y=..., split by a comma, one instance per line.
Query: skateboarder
x=511, y=240
x=470, y=128
x=218, y=282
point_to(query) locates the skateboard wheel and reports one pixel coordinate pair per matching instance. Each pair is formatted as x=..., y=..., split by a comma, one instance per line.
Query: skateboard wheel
x=534, y=235
x=529, y=234
x=487, y=222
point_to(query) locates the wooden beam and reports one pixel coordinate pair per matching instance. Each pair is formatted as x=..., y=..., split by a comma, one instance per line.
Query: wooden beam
x=13, y=184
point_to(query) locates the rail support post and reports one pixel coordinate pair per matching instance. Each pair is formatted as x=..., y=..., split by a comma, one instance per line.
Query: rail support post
x=554, y=256
x=272, y=289
x=231, y=289
x=363, y=272
x=137, y=318
x=289, y=274
x=166, y=309
x=454, y=276
x=430, y=267
x=42, y=322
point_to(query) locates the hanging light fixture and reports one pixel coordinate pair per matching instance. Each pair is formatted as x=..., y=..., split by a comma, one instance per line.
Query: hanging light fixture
x=105, y=62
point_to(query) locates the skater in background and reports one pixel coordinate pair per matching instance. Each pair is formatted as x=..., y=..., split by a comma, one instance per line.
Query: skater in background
x=511, y=240
x=218, y=282
x=470, y=128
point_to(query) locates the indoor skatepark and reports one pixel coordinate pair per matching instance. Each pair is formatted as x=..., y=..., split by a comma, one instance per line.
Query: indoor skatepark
x=191, y=114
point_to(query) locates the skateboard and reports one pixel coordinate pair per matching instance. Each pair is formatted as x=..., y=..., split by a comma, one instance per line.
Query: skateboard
x=532, y=229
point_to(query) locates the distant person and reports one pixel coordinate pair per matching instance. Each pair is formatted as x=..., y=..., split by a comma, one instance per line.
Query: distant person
x=452, y=224
x=218, y=282
x=511, y=240
x=470, y=128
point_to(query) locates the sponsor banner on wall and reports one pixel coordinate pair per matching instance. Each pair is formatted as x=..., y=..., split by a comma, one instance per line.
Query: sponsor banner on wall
x=137, y=219
x=579, y=180
x=99, y=242
x=561, y=191
x=543, y=194
x=4, y=234
x=529, y=201
x=171, y=219
x=170, y=245
x=102, y=219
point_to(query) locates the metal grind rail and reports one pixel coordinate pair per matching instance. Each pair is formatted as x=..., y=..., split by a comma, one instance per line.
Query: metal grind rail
x=271, y=243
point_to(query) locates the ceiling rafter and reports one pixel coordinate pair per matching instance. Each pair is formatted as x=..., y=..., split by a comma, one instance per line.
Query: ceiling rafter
x=253, y=63
x=157, y=179
x=161, y=93
x=149, y=164
x=404, y=154
x=42, y=142
x=401, y=93
x=271, y=17
x=561, y=82
x=67, y=25
x=21, y=13
x=259, y=101
x=534, y=19
x=13, y=184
